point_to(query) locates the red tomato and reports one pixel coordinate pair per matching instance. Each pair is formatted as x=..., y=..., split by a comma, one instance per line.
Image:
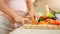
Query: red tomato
x=42, y=16
x=47, y=20
x=55, y=22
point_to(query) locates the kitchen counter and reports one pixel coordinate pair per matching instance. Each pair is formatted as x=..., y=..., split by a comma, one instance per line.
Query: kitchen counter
x=22, y=30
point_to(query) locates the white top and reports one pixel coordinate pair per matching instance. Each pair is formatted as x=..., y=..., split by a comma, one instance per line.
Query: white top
x=17, y=5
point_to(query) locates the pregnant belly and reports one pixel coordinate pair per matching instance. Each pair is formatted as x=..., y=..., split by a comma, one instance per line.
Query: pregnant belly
x=21, y=13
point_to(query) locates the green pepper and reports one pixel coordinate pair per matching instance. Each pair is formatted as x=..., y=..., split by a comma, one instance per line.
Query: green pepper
x=41, y=19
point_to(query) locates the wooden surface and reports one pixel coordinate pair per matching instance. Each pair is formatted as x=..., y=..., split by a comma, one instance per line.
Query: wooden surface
x=22, y=30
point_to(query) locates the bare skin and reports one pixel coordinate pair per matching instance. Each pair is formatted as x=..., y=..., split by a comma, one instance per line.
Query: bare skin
x=13, y=15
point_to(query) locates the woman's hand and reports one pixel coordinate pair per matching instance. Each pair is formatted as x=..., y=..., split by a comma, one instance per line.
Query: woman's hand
x=18, y=19
x=33, y=15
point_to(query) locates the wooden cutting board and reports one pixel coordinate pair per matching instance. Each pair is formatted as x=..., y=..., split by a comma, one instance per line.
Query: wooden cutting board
x=24, y=30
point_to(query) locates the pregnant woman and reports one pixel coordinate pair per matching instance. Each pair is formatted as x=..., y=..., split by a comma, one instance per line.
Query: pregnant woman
x=14, y=11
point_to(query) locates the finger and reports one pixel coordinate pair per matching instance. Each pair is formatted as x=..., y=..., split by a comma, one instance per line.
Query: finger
x=36, y=17
x=32, y=18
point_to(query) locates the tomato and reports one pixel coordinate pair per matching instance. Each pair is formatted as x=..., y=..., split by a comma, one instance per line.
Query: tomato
x=55, y=22
x=42, y=16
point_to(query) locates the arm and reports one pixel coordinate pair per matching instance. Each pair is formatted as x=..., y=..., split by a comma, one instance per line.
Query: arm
x=5, y=9
x=31, y=9
x=30, y=5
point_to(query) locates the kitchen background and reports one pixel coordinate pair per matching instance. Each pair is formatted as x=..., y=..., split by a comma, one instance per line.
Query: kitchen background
x=53, y=4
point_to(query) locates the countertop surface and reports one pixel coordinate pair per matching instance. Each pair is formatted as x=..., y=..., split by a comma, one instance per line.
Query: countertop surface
x=34, y=31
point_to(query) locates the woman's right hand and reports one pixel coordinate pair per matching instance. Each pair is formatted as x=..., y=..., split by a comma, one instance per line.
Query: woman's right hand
x=18, y=19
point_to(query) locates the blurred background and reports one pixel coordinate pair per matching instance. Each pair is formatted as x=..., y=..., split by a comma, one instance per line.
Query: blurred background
x=53, y=4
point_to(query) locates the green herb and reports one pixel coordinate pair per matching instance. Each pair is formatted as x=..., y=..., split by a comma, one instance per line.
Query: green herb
x=58, y=12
